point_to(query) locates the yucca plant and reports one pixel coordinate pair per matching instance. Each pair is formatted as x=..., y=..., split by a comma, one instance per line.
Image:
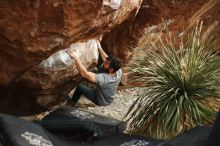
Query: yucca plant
x=181, y=86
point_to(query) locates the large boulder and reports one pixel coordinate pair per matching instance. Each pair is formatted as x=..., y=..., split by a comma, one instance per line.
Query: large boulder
x=47, y=83
x=33, y=30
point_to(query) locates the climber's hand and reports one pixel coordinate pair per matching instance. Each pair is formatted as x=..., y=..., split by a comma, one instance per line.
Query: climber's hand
x=72, y=53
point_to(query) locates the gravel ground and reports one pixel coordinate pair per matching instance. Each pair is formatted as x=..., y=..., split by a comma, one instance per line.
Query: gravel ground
x=122, y=101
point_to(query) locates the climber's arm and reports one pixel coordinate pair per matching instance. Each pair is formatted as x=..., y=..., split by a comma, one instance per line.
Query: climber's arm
x=81, y=69
x=102, y=53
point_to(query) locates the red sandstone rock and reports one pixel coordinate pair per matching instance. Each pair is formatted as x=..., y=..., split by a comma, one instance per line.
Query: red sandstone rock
x=150, y=22
x=153, y=20
x=49, y=82
x=33, y=30
x=55, y=76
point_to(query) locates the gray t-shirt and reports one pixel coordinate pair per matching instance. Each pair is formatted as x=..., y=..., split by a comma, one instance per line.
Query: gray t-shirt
x=107, y=86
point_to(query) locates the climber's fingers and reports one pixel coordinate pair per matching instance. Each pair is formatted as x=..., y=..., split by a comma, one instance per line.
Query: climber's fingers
x=72, y=53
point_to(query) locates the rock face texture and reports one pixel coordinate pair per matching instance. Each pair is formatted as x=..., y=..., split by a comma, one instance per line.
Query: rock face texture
x=32, y=30
x=46, y=83
x=150, y=22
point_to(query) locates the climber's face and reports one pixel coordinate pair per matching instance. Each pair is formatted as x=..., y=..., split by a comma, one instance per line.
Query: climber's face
x=106, y=66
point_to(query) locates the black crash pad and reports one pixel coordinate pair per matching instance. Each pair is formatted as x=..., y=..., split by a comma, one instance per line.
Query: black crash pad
x=18, y=132
x=1, y=141
x=128, y=140
x=67, y=119
x=214, y=137
x=194, y=137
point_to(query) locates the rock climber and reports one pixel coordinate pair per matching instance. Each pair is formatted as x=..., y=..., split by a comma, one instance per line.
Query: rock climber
x=107, y=79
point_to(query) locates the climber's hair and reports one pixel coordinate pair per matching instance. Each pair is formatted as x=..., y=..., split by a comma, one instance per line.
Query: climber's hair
x=115, y=63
